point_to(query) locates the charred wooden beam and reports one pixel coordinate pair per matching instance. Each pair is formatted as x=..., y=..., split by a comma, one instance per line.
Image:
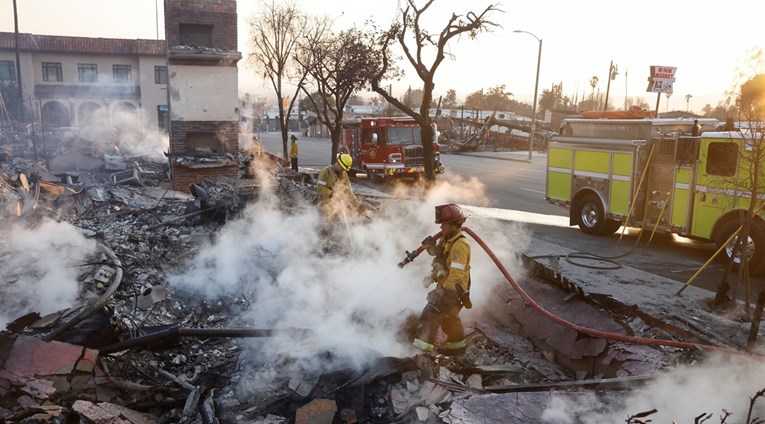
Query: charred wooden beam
x=173, y=334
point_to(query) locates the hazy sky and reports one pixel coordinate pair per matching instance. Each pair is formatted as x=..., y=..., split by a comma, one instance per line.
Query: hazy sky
x=707, y=41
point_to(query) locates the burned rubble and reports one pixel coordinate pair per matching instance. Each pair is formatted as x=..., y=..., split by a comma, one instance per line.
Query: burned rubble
x=132, y=347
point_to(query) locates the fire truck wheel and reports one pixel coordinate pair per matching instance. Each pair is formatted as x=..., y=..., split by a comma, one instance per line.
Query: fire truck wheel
x=590, y=215
x=755, y=245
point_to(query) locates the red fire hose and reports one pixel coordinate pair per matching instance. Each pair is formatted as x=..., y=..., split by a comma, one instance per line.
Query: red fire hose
x=586, y=330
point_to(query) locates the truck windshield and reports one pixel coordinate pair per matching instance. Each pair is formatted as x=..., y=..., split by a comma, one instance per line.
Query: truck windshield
x=400, y=136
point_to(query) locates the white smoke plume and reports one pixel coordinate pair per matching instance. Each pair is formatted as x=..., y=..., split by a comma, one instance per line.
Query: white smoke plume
x=128, y=134
x=353, y=302
x=679, y=395
x=38, y=268
x=137, y=139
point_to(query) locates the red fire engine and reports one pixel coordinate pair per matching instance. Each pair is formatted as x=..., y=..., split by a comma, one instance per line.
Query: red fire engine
x=388, y=147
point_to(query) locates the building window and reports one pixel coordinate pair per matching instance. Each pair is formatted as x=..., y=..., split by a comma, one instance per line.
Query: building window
x=160, y=75
x=52, y=71
x=7, y=70
x=88, y=72
x=121, y=73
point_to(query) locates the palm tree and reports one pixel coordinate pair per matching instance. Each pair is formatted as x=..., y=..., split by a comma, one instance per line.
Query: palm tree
x=687, y=102
x=668, y=96
x=593, y=84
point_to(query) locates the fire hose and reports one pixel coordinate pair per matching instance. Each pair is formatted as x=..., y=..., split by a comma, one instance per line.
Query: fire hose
x=410, y=256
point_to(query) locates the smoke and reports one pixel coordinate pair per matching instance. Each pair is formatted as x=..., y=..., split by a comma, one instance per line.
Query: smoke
x=136, y=139
x=128, y=134
x=38, y=268
x=719, y=384
x=343, y=285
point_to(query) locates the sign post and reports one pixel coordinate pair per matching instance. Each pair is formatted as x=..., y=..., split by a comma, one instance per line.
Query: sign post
x=660, y=81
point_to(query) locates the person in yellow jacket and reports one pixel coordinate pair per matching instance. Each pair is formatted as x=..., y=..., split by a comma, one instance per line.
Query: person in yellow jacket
x=294, y=153
x=451, y=273
x=334, y=187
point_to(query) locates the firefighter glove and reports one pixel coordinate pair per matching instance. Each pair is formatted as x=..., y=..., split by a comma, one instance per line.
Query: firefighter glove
x=427, y=241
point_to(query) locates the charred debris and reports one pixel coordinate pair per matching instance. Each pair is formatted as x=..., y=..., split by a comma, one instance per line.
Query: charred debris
x=130, y=350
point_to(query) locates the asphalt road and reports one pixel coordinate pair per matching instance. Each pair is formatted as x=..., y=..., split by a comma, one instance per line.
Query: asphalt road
x=519, y=185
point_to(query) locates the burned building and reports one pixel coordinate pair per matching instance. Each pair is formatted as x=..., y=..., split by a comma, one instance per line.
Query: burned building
x=203, y=89
x=82, y=81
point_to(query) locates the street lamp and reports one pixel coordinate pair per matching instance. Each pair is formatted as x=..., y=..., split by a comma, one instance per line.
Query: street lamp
x=536, y=87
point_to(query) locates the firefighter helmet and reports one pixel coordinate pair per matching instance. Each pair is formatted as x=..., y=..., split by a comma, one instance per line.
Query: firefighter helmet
x=450, y=213
x=345, y=160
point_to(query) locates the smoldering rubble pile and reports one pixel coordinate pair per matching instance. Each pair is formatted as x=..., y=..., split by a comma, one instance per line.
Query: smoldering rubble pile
x=77, y=364
x=131, y=350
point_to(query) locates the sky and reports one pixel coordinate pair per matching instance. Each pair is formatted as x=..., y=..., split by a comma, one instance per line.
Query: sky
x=706, y=41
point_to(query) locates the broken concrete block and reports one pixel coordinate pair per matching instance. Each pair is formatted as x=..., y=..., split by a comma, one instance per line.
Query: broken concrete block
x=422, y=413
x=40, y=388
x=114, y=162
x=475, y=381
x=400, y=399
x=318, y=411
x=130, y=176
x=32, y=357
x=106, y=412
x=304, y=384
x=432, y=393
x=151, y=296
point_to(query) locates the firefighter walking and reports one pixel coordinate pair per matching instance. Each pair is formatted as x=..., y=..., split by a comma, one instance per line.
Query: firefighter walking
x=294, y=153
x=451, y=273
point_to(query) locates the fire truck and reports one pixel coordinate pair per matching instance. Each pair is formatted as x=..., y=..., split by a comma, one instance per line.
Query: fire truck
x=653, y=173
x=386, y=147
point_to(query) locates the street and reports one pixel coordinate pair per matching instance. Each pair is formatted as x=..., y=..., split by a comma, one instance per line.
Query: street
x=518, y=185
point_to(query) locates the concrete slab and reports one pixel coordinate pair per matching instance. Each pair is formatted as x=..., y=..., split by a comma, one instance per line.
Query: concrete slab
x=633, y=289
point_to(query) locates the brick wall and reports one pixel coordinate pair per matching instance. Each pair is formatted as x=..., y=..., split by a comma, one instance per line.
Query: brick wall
x=183, y=176
x=221, y=14
x=227, y=132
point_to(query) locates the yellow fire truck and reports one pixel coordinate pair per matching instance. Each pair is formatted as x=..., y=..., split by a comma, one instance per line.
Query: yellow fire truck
x=653, y=173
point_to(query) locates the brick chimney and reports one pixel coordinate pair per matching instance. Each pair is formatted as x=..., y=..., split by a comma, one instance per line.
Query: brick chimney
x=202, y=90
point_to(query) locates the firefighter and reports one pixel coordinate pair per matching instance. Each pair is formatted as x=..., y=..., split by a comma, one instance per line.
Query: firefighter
x=334, y=187
x=696, y=129
x=294, y=153
x=451, y=273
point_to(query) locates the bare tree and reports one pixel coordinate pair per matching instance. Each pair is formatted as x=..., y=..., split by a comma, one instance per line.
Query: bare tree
x=275, y=32
x=417, y=42
x=338, y=65
x=749, y=180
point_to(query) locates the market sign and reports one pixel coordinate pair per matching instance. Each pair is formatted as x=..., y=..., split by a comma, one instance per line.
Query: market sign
x=661, y=79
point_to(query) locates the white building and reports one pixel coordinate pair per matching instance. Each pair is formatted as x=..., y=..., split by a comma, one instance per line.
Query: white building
x=79, y=81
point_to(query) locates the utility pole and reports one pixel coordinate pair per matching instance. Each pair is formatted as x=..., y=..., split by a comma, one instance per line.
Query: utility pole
x=536, y=88
x=612, y=72
x=20, y=115
x=625, y=89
